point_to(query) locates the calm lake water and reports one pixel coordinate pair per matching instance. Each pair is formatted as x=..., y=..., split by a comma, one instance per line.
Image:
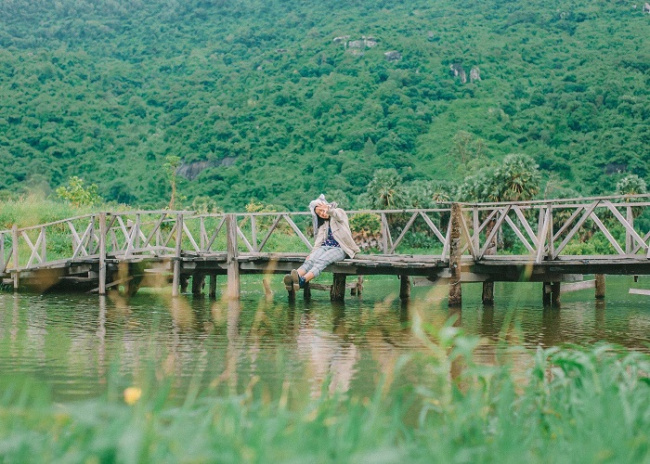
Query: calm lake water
x=75, y=344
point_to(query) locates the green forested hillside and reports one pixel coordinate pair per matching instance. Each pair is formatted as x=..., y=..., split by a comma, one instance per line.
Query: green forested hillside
x=277, y=101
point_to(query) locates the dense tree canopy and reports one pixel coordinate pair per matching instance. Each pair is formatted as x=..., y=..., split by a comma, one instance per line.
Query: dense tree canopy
x=278, y=101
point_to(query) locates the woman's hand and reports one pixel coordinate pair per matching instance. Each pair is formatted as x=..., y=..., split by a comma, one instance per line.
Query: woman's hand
x=322, y=211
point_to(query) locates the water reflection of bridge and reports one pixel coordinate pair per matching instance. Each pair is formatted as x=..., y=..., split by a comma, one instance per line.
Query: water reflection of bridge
x=550, y=241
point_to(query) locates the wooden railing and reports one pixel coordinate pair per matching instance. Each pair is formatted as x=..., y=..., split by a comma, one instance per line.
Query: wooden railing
x=539, y=230
x=545, y=230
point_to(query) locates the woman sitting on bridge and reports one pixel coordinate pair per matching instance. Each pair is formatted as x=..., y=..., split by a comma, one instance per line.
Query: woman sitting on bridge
x=333, y=243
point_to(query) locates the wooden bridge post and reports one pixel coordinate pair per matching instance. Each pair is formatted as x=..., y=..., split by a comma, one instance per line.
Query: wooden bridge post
x=358, y=288
x=14, y=239
x=306, y=292
x=198, y=281
x=404, y=287
x=600, y=286
x=232, y=264
x=455, y=292
x=102, y=253
x=546, y=293
x=176, y=280
x=629, y=243
x=2, y=253
x=555, y=293
x=551, y=293
x=212, y=293
x=337, y=292
x=488, y=286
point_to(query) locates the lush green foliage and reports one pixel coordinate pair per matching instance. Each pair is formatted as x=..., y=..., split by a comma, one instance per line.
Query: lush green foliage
x=77, y=194
x=259, y=102
x=571, y=405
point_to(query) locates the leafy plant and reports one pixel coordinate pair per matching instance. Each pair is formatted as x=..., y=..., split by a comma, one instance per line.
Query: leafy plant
x=77, y=194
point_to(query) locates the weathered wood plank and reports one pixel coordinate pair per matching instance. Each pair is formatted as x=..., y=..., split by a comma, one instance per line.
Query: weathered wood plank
x=3, y=260
x=176, y=280
x=464, y=230
x=575, y=229
x=433, y=227
x=80, y=245
x=32, y=247
x=386, y=238
x=455, y=292
x=493, y=232
x=214, y=235
x=233, y=282
x=630, y=233
x=609, y=237
x=241, y=235
x=545, y=226
x=298, y=232
x=404, y=231
x=524, y=222
x=520, y=235
x=276, y=221
x=189, y=236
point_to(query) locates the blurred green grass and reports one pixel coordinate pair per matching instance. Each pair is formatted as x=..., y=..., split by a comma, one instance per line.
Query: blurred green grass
x=571, y=405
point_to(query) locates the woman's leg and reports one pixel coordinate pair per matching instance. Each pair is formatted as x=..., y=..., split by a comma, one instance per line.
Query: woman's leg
x=292, y=280
x=327, y=256
x=311, y=259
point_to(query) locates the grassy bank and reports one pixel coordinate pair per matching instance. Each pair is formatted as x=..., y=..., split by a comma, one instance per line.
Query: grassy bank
x=572, y=405
x=33, y=210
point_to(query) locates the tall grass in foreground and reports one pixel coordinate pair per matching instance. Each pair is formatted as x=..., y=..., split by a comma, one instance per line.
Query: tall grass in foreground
x=572, y=405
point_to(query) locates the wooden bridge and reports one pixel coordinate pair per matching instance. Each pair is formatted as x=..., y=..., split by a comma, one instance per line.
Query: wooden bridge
x=550, y=241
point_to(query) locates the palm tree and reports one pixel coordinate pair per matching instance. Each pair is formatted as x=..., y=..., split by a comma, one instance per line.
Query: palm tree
x=518, y=178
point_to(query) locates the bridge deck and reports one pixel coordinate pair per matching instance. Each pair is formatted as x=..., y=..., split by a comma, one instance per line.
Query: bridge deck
x=82, y=272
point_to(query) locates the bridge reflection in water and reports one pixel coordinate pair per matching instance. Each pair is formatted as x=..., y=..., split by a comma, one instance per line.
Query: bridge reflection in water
x=550, y=241
x=78, y=344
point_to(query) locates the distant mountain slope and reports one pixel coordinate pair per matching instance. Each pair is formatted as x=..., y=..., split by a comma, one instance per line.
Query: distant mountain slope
x=279, y=100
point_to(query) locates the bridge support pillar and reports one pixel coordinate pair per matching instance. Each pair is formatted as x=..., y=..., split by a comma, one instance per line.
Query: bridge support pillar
x=185, y=282
x=551, y=293
x=306, y=292
x=546, y=294
x=212, y=293
x=337, y=292
x=455, y=292
x=555, y=293
x=358, y=288
x=198, y=282
x=404, y=287
x=488, y=293
x=600, y=286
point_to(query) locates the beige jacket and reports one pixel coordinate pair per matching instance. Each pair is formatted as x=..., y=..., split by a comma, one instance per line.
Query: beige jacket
x=338, y=221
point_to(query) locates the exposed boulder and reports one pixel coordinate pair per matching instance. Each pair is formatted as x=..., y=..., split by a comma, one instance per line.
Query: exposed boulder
x=474, y=74
x=360, y=44
x=458, y=72
x=393, y=55
x=191, y=170
x=370, y=42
